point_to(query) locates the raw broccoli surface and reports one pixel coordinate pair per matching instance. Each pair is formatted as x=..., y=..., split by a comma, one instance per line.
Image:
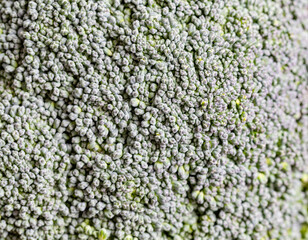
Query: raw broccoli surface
x=153, y=119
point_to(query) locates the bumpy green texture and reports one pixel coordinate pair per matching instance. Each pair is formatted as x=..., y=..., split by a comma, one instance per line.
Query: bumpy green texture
x=153, y=119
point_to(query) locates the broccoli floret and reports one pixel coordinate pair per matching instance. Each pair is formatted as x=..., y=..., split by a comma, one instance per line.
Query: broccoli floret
x=153, y=119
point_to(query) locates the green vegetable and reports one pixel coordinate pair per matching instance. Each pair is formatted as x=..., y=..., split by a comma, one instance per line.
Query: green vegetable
x=153, y=119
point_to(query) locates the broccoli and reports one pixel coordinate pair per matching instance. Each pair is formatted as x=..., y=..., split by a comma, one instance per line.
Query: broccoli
x=153, y=119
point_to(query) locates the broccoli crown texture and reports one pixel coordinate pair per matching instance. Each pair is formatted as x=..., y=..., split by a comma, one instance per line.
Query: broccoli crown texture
x=153, y=119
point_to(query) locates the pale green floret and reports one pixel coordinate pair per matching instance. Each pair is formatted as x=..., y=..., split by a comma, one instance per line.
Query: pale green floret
x=108, y=51
x=103, y=234
x=153, y=120
x=134, y=102
x=129, y=237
